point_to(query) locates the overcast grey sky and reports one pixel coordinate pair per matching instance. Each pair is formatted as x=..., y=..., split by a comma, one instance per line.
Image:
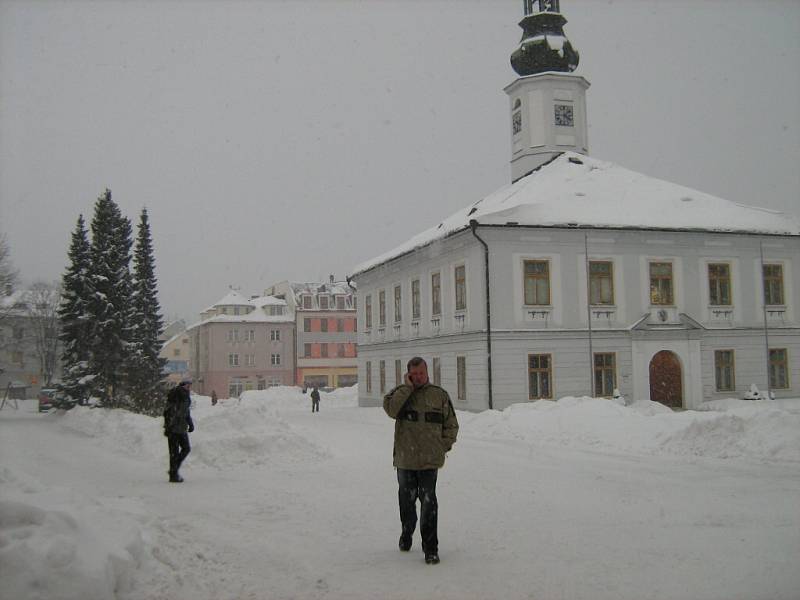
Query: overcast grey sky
x=272, y=140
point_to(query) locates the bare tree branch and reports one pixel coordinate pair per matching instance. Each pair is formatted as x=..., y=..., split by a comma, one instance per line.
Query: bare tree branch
x=8, y=278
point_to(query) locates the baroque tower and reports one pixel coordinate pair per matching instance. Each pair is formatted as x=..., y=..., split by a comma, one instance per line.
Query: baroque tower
x=547, y=101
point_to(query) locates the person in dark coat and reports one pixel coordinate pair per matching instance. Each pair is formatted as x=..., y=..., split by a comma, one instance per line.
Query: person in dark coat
x=425, y=428
x=177, y=427
x=315, y=400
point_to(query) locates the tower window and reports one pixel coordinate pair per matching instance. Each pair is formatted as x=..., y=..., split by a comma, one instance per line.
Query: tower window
x=516, y=122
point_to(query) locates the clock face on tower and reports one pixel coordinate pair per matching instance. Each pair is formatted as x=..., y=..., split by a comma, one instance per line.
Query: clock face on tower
x=563, y=114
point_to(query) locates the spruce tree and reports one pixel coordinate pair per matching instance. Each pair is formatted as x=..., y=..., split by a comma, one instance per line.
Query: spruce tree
x=110, y=306
x=73, y=315
x=145, y=369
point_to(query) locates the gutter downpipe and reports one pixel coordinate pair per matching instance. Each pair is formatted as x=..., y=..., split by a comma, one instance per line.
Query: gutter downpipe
x=473, y=224
x=764, y=307
x=348, y=279
x=589, y=314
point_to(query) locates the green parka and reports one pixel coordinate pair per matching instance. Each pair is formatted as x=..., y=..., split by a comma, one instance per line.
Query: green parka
x=425, y=425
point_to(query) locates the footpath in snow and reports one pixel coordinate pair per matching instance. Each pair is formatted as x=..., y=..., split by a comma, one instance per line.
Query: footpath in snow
x=579, y=498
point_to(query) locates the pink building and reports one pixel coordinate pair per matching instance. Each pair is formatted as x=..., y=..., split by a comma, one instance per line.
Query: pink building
x=242, y=344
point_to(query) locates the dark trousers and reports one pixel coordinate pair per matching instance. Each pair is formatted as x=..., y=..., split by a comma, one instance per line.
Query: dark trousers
x=314, y=405
x=179, y=449
x=422, y=485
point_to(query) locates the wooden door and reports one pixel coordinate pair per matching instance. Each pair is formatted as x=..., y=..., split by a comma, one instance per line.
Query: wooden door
x=666, y=384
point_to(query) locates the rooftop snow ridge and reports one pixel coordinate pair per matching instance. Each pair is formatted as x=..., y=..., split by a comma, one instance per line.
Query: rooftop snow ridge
x=579, y=191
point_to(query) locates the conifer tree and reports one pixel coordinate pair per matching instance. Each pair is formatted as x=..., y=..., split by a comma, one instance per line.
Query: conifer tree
x=145, y=369
x=109, y=307
x=73, y=315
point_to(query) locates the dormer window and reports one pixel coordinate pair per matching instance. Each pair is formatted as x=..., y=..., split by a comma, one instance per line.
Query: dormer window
x=307, y=302
x=340, y=302
x=323, y=302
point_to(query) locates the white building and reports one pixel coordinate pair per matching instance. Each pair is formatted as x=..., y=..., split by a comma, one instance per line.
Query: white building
x=581, y=277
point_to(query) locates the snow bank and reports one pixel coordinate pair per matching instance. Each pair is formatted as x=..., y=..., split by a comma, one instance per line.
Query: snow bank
x=134, y=435
x=251, y=431
x=751, y=431
x=247, y=431
x=56, y=544
x=284, y=398
x=760, y=431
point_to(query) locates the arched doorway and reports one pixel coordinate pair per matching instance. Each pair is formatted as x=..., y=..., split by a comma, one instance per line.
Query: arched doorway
x=666, y=379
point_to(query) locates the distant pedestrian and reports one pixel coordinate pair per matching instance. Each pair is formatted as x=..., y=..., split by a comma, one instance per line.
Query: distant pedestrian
x=425, y=428
x=178, y=425
x=315, y=400
x=213, y=397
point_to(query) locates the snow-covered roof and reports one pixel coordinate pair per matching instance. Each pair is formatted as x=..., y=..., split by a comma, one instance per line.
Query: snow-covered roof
x=337, y=287
x=19, y=302
x=575, y=190
x=256, y=316
x=233, y=298
x=262, y=301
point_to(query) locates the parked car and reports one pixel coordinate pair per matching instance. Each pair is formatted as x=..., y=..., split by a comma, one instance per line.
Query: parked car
x=47, y=399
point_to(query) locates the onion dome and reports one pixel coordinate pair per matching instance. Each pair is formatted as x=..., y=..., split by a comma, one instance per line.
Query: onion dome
x=544, y=46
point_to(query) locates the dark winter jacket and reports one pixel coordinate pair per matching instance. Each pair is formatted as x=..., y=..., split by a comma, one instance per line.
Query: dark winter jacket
x=315, y=395
x=425, y=426
x=177, y=418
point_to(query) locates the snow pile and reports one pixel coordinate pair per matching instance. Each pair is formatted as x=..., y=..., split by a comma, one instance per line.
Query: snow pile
x=761, y=432
x=283, y=398
x=235, y=432
x=248, y=432
x=134, y=435
x=56, y=544
x=755, y=431
x=788, y=404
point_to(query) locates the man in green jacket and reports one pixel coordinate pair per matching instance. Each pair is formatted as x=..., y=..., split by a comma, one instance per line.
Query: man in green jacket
x=425, y=429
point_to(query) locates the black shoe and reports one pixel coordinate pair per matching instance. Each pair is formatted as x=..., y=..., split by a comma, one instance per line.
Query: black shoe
x=405, y=544
x=432, y=558
x=175, y=478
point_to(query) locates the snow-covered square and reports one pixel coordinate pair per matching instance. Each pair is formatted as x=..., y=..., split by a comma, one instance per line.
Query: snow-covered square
x=575, y=499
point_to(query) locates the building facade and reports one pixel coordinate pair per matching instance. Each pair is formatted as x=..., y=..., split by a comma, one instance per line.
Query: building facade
x=177, y=352
x=583, y=278
x=30, y=351
x=242, y=344
x=325, y=325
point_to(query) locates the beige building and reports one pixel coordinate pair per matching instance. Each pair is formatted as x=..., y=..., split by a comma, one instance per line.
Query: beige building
x=176, y=351
x=242, y=344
